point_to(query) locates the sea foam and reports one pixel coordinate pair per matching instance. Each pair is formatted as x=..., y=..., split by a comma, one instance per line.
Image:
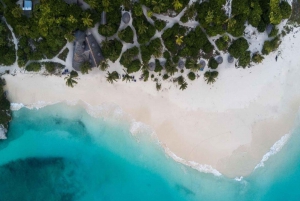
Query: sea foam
x=273, y=150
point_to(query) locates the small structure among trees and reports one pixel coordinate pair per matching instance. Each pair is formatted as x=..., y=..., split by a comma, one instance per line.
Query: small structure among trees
x=126, y=17
x=27, y=5
x=86, y=49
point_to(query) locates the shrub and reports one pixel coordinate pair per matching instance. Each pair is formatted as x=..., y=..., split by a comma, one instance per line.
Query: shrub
x=270, y=46
x=221, y=44
x=35, y=66
x=126, y=35
x=285, y=9
x=50, y=67
x=274, y=32
x=134, y=66
x=191, y=76
x=165, y=76
x=158, y=67
x=238, y=47
x=159, y=24
x=261, y=26
x=245, y=59
x=208, y=47
x=111, y=49
x=213, y=64
x=64, y=54
x=257, y=58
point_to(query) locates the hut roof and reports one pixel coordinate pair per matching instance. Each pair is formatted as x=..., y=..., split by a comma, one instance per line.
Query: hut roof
x=86, y=48
x=103, y=18
x=219, y=59
x=126, y=18
x=269, y=28
x=181, y=64
x=230, y=59
x=151, y=66
x=95, y=52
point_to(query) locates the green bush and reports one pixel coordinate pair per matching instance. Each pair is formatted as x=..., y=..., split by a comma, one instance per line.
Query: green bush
x=221, y=44
x=270, y=46
x=238, y=47
x=245, y=59
x=192, y=76
x=212, y=63
x=111, y=49
x=128, y=56
x=208, y=47
x=285, y=9
x=261, y=26
x=257, y=58
x=134, y=66
x=126, y=35
x=158, y=67
x=159, y=24
x=34, y=66
x=274, y=32
x=165, y=76
x=64, y=54
x=109, y=29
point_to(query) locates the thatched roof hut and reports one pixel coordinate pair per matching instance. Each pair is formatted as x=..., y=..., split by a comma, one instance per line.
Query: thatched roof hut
x=219, y=59
x=126, y=18
x=230, y=59
x=181, y=64
x=151, y=66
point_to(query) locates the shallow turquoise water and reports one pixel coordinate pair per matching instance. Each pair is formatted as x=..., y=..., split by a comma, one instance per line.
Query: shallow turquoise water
x=62, y=153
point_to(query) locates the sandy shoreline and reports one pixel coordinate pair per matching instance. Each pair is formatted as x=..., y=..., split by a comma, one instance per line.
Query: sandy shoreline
x=229, y=125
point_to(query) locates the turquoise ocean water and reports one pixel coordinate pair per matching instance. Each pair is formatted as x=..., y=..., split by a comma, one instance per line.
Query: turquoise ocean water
x=62, y=153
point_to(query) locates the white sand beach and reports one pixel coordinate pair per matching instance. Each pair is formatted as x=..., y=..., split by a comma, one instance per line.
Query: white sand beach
x=229, y=125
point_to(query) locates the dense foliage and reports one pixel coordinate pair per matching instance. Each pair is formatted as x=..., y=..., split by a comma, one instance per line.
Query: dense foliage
x=126, y=35
x=5, y=113
x=7, y=47
x=45, y=31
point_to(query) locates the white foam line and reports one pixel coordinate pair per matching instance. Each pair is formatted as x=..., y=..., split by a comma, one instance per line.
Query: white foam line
x=136, y=127
x=200, y=167
x=273, y=150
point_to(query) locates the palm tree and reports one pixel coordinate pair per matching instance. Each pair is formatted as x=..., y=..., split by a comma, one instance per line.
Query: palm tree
x=158, y=86
x=179, y=40
x=142, y=28
x=210, y=76
x=92, y=3
x=192, y=64
x=85, y=67
x=105, y=44
x=112, y=77
x=87, y=21
x=70, y=79
x=104, y=65
x=71, y=19
x=17, y=12
x=126, y=77
x=170, y=67
x=105, y=4
x=180, y=80
x=177, y=5
x=23, y=30
x=183, y=86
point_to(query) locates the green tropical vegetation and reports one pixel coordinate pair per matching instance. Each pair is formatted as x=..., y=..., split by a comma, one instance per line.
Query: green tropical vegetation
x=5, y=112
x=51, y=24
x=70, y=79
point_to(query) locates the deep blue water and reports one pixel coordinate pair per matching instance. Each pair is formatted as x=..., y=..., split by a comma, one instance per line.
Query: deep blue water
x=62, y=153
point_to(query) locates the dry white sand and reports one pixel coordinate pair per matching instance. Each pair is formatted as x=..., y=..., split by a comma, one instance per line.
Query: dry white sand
x=229, y=125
